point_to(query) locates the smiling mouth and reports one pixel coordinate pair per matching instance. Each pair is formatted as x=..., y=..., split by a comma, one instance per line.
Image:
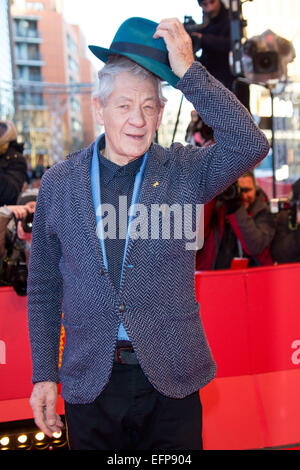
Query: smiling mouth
x=135, y=137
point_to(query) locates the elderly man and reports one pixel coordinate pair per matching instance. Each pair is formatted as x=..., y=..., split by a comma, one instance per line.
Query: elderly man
x=135, y=354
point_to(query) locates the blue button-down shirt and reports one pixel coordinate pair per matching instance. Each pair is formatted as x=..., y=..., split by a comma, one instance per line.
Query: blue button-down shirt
x=116, y=181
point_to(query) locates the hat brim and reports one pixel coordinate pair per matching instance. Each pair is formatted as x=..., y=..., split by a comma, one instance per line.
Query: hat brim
x=160, y=70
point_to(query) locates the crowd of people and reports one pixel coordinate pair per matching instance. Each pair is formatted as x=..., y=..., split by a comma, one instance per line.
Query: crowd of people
x=240, y=227
x=18, y=195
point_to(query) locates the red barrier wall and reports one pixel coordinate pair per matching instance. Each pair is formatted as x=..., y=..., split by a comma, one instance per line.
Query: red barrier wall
x=252, y=318
x=15, y=359
x=252, y=321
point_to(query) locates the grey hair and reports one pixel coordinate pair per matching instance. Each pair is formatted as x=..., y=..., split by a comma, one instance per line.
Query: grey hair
x=116, y=65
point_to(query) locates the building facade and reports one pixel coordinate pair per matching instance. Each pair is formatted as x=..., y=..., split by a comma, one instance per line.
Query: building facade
x=50, y=91
x=6, y=63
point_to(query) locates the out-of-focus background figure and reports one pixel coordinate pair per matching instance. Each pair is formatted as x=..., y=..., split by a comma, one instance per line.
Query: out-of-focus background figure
x=286, y=244
x=13, y=166
x=15, y=240
x=198, y=133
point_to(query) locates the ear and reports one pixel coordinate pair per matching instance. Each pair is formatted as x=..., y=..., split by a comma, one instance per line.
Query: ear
x=160, y=116
x=98, y=109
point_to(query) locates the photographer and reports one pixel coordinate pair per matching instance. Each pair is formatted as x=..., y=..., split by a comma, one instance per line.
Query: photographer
x=13, y=167
x=214, y=39
x=238, y=224
x=285, y=247
x=15, y=240
x=198, y=133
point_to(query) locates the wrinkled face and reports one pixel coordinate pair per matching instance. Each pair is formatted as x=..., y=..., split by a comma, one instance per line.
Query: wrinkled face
x=248, y=190
x=211, y=8
x=130, y=118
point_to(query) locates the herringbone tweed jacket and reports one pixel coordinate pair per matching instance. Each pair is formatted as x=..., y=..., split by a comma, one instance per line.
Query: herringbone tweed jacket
x=156, y=301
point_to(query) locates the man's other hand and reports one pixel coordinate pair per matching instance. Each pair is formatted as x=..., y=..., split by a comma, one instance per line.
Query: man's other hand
x=43, y=403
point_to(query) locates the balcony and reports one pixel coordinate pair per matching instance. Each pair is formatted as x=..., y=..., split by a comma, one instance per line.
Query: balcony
x=34, y=39
x=26, y=29
x=30, y=61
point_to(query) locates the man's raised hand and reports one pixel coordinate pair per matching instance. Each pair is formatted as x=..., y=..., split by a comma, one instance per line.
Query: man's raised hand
x=179, y=44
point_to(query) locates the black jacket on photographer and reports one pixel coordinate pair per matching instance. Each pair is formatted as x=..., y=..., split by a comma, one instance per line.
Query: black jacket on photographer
x=231, y=231
x=215, y=45
x=13, y=172
x=286, y=244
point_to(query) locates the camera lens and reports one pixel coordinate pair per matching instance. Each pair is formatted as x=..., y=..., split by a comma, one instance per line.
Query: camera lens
x=27, y=223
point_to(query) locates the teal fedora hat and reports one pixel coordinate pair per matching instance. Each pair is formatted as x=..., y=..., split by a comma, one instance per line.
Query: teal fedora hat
x=134, y=39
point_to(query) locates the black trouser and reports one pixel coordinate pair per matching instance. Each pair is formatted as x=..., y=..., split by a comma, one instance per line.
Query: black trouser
x=130, y=414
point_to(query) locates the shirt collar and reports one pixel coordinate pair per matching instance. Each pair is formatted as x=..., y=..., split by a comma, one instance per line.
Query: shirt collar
x=110, y=170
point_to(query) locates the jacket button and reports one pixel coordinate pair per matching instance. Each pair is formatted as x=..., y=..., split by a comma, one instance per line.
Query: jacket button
x=102, y=272
x=122, y=308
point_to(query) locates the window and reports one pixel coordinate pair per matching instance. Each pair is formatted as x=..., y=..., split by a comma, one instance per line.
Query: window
x=38, y=6
x=75, y=105
x=30, y=99
x=27, y=51
x=72, y=46
x=34, y=73
x=33, y=52
x=73, y=66
x=28, y=73
x=26, y=28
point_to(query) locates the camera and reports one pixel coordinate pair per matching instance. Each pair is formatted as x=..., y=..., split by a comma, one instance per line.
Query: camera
x=284, y=204
x=232, y=192
x=27, y=223
x=14, y=267
x=14, y=270
x=279, y=204
x=14, y=273
x=265, y=57
x=191, y=26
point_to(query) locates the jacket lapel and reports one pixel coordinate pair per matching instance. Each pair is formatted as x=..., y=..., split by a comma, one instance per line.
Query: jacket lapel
x=82, y=192
x=156, y=180
x=154, y=187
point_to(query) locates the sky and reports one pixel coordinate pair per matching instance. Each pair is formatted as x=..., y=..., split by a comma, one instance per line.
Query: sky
x=100, y=19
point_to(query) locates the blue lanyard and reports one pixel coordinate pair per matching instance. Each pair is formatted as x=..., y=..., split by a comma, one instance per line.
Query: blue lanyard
x=96, y=193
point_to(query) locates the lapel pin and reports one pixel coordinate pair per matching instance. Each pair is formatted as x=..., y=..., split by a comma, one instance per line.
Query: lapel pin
x=155, y=184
